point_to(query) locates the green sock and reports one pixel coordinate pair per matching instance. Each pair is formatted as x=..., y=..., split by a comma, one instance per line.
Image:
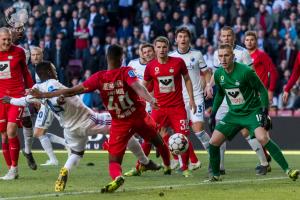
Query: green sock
x=277, y=155
x=214, y=159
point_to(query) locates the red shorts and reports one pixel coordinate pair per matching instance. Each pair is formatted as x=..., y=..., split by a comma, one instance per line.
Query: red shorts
x=176, y=118
x=122, y=130
x=10, y=113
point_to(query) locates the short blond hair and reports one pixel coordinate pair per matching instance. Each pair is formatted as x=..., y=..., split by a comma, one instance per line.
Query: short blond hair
x=251, y=33
x=162, y=39
x=226, y=46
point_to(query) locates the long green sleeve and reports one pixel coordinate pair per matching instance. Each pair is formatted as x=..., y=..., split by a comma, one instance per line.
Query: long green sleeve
x=219, y=95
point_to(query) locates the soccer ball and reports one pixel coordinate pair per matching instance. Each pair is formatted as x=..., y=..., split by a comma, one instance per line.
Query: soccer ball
x=178, y=144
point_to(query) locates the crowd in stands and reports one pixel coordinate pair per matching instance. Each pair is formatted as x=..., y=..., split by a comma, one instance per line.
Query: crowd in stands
x=74, y=34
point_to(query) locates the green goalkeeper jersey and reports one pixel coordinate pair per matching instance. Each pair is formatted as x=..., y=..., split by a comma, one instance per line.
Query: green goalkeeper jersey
x=243, y=89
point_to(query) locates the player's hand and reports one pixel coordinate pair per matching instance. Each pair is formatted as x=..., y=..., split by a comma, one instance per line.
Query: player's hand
x=193, y=106
x=154, y=104
x=270, y=95
x=208, y=92
x=212, y=122
x=265, y=121
x=285, y=97
x=61, y=100
x=5, y=99
x=36, y=93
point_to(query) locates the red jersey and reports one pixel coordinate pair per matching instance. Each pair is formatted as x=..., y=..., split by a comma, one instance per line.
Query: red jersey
x=14, y=74
x=265, y=69
x=167, y=80
x=295, y=74
x=119, y=98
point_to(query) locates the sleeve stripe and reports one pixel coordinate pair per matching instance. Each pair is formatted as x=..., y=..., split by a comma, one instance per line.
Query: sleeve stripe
x=203, y=67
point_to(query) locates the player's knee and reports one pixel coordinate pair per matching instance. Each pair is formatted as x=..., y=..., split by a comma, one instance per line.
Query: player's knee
x=38, y=132
x=26, y=121
x=245, y=133
x=115, y=158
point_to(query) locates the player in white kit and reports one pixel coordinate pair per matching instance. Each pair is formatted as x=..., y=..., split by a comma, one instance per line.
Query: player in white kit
x=44, y=118
x=78, y=121
x=241, y=55
x=195, y=65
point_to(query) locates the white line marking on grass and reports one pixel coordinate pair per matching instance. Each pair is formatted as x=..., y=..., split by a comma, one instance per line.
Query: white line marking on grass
x=145, y=188
x=228, y=152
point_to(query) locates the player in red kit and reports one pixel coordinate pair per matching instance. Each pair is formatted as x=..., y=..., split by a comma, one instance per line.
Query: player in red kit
x=294, y=77
x=120, y=90
x=166, y=73
x=14, y=78
x=262, y=63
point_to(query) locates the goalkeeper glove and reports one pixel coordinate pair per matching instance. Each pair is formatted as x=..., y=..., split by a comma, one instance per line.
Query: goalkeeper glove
x=265, y=121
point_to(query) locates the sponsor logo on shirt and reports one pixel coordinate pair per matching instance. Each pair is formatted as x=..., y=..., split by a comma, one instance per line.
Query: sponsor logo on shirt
x=5, y=72
x=222, y=79
x=235, y=96
x=166, y=84
x=131, y=74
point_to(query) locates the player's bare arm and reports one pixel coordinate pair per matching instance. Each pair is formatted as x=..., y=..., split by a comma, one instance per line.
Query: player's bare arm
x=142, y=92
x=189, y=87
x=208, y=91
x=68, y=92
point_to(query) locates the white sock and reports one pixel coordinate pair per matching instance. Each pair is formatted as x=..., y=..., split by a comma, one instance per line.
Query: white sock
x=135, y=147
x=28, y=139
x=204, y=139
x=73, y=160
x=222, y=155
x=56, y=139
x=257, y=147
x=46, y=144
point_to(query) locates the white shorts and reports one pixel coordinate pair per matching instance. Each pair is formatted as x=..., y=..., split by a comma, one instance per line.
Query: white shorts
x=26, y=112
x=199, y=115
x=77, y=139
x=44, y=118
x=223, y=110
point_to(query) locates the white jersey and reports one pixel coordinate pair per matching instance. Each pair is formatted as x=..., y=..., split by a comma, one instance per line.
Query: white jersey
x=195, y=63
x=241, y=55
x=138, y=67
x=72, y=114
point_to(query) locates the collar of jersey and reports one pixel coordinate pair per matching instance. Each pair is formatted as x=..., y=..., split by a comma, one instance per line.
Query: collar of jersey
x=185, y=52
x=141, y=63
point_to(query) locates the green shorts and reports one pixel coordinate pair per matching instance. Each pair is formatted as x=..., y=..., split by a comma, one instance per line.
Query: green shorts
x=230, y=125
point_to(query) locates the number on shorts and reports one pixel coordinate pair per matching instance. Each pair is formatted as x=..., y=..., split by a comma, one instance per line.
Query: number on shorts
x=40, y=114
x=200, y=110
x=258, y=117
x=124, y=101
x=184, y=125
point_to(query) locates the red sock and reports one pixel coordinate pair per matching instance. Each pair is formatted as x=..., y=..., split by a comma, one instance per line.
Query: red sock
x=6, y=154
x=115, y=170
x=14, y=149
x=165, y=153
x=192, y=154
x=185, y=159
x=146, y=146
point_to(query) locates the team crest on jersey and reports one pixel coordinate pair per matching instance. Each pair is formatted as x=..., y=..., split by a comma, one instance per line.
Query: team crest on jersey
x=131, y=74
x=156, y=69
x=237, y=83
x=222, y=79
x=171, y=70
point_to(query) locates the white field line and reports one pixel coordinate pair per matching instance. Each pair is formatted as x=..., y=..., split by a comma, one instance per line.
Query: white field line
x=229, y=152
x=144, y=188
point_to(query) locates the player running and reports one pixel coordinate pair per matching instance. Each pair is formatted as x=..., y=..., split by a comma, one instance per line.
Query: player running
x=119, y=88
x=166, y=73
x=14, y=78
x=248, y=103
x=241, y=55
x=195, y=65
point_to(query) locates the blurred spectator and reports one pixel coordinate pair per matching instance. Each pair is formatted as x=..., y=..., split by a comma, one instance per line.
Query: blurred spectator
x=234, y=9
x=209, y=57
x=93, y=13
x=125, y=8
x=186, y=23
x=57, y=5
x=147, y=29
x=176, y=20
x=21, y=4
x=143, y=11
x=289, y=53
x=205, y=30
x=275, y=43
x=81, y=9
x=125, y=30
x=81, y=39
x=159, y=23
x=221, y=9
x=100, y=24
x=264, y=19
x=59, y=58
x=288, y=29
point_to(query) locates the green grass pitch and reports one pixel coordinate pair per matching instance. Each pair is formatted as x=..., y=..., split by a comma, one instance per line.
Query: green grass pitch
x=85, y=181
